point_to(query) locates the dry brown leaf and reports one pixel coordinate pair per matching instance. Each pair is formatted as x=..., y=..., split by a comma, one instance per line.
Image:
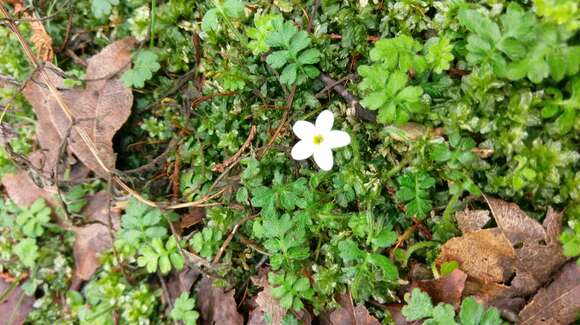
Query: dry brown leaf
x=397, y=315
x=15, y=306
x=217, y=306
x=23, y=191
x=531, y=242
x=348, y=313
x=472, y=220
x=181, y=281
x=484, y=255
x=94, y=238
x=40, y=38
x=510, y=262
x=100, y=109
x=515, y=223
x=192, y=218
x=447, y=289
x=559, y=303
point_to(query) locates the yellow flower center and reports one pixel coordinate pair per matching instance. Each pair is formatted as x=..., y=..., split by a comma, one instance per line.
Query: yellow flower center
x=318, y=139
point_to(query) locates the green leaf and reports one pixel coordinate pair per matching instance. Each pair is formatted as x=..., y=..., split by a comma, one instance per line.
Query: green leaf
x=477, y=23
x=448, y=267
x=234, y=8
x=418, y=306
x=397, y=81
x=390, y=271
x=444, y=314
x=491, y=317
x=282, y=34
x=309, y=56
x=471, y=312
x=385, y=238
x=410, y=94
x=288, y=75
x=102, y=8
x=399, y=53
x=374, y=100
x=278, y=59
x=27, y=252
x=439, y=53
x=210, y=21
x=349, y=251
x=413, y=191
x=311, y=71
x=299, y=41
x=145, y=64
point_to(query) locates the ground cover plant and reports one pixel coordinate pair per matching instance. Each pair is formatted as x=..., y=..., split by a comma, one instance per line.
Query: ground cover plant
x=290, y=162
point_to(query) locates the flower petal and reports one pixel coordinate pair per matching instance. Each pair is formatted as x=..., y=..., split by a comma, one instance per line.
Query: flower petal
x=324, y=121
x=337, y=139
x=323, y=157
x=304, y=130
x=302, y=150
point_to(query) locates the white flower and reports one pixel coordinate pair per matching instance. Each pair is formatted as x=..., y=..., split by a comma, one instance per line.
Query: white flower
x=318, y=140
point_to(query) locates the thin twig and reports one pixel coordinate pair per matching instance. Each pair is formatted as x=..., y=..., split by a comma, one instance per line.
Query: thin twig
x=280, y=126
x=165, y=291
x=231, y=236
x=356, y=108
x=233, y=159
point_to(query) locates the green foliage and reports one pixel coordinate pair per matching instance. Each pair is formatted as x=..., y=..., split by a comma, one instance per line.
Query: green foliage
x=386, y=81
x=145, y=63
x=439, y=53
x=27, y=251
x=223, y=11
x=419, y=307
x=165, y=256
x=184, y=310
x=102, y=8
x=290, y=290
x=522, y=47
x=206, y=242
x=294, y=56
x=264, y=26
x=493, y=97
x=570, y=239
x=561, y=12
x=391, y=96
x=33, y=219
x=110, y=290
x=414, y=192
x=139, y=225
x=399, y=53
x=364, y=270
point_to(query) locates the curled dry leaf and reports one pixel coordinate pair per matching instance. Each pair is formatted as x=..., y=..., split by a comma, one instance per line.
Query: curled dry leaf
x=16, y=305
x=472, y=220
x=93, y=238
x=348, y=314
x=559, y=302
x=217, y=306
x=447, y=289
x=100, y=109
